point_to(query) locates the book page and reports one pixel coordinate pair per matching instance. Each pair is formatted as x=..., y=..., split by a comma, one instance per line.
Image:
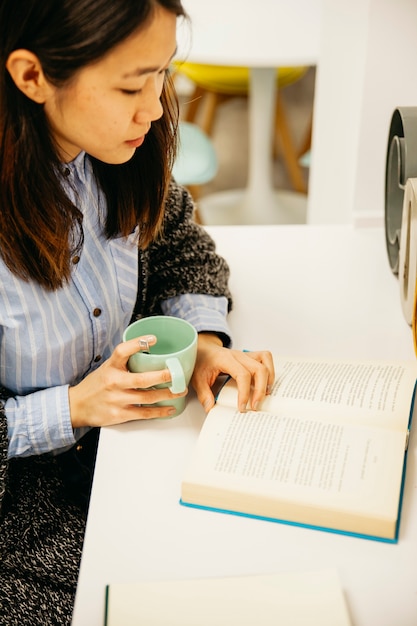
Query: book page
x=311, y=598
x=281, y=460
x=378, y=393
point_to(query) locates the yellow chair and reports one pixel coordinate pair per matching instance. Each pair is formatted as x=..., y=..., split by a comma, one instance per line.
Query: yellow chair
x=215, y=84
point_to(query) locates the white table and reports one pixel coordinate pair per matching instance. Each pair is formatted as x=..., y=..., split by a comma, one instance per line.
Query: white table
x=264, y=36
x=312, y=290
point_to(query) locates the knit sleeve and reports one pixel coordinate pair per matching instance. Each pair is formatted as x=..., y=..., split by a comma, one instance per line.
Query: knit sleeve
x=183, y=259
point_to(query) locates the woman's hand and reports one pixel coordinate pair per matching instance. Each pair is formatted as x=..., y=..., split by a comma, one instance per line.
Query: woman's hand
x=252, y=371
x=113, y=395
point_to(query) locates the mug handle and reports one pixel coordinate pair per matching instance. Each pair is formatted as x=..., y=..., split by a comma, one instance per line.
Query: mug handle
x=177, y=375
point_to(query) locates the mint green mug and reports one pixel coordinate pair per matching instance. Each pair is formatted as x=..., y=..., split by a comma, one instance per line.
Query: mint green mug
x=175, y=349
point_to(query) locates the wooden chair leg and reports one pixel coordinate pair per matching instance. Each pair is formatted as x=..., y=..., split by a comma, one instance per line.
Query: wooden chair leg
x=213, y=100
x=288, y=149
x=194, y=103
x=306, y=143
x=195, y=192
x=211, y=103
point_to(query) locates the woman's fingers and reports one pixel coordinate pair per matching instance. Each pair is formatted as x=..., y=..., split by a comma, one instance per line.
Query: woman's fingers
x=112, y=395
x=145, y=380
x=254, y=379
x=253, y=372
x=124, y=350
x=265, y=358
x=141, y=404
x=150, y=396
x=262, y=377
x=138, y=380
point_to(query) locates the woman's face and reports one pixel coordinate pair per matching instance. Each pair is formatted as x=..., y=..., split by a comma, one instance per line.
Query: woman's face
x=108, y=107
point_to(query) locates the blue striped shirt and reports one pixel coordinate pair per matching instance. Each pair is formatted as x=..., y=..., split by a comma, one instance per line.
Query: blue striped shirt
x=51, y=340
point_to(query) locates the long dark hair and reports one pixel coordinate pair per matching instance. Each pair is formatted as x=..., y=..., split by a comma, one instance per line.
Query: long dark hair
x=40, y=228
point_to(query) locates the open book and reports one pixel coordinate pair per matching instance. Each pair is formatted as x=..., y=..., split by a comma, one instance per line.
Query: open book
x=327, y=449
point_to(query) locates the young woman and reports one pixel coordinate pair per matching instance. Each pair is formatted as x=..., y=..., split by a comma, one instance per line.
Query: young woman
x=93, y=232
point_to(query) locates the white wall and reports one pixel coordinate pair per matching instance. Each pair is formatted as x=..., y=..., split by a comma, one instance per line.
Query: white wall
x=367, y=68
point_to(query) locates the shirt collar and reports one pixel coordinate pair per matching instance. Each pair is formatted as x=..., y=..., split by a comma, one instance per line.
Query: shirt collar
x=79, y=167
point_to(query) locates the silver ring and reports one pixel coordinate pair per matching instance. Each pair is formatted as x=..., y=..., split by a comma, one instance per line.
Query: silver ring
x=143, y=344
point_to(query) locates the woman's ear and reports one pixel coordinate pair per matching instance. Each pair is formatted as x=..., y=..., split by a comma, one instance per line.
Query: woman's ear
x=26, y=72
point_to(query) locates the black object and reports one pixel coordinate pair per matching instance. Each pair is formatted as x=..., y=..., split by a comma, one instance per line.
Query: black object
x=401, y=164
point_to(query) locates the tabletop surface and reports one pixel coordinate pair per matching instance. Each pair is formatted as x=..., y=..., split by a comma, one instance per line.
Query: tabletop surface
x=300, y=290
x=268, y=33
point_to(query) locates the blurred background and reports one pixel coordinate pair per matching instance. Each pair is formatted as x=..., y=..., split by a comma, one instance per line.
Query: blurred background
x=361, y=57
x=230, y=133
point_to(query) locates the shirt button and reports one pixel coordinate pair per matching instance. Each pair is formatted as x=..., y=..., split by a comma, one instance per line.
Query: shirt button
x=97, y=358
x=67, y=172
x=97, y=312
x=75, y=259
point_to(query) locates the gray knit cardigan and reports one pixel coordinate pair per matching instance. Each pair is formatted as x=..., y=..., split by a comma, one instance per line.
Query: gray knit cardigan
x=41, y=529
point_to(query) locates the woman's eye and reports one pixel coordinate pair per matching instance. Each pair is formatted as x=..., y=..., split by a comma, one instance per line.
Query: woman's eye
x=131, y=92
x=135, y=92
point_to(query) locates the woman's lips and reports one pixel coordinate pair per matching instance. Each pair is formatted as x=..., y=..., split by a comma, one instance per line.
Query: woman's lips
x=135, y=143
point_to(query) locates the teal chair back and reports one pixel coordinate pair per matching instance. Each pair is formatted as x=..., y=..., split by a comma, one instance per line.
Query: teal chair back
x=196, y=162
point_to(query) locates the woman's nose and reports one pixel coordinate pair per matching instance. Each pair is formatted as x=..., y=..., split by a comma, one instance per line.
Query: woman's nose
x=151, y=107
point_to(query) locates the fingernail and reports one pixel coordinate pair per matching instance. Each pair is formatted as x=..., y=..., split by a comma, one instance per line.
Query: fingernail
x=207, y=405
x=268, y=389
x=255, y=406
x=242, y=407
